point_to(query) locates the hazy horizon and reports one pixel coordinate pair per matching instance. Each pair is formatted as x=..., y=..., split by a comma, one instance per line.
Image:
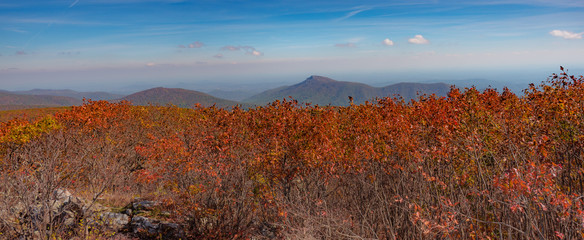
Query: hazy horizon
x=516, y=80
x=128, y=45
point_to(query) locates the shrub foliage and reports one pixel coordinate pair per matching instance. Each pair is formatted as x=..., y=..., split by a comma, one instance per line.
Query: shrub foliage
x=473, y=165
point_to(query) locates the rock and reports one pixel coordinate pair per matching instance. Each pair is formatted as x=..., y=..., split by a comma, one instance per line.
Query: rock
x=146, y=226
x=144, y=205
x=61, y=209
x=66, y=211
x=115, y=221
x=171, y=230
x=62, y=195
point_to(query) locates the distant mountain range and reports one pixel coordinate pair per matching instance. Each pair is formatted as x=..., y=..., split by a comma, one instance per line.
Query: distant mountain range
x=315, y=89
x=10, y=100
x=234, y=95
x=324, y=91
x=177, y=96
x=73, y=94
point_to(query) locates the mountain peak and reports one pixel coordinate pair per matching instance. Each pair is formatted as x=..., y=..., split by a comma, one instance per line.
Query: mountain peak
x=319, y=79
x=177, y=96
x=324, y=91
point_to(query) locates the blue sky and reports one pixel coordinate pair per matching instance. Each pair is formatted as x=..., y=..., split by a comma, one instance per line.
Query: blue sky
x=117, y=44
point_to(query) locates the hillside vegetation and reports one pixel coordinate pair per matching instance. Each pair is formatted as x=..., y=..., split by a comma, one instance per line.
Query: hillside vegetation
x=472, y=165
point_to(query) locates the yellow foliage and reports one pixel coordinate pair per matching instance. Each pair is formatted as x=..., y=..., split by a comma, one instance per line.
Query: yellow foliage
x=24, y=133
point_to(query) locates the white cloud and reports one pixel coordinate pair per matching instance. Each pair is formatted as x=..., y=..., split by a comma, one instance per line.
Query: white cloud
x=251, y=51
x=387, y=42
x=219, y=55
x=418, y=39
x=566, y=34
x=150, y=64
x=345, y=45
x=256, y=53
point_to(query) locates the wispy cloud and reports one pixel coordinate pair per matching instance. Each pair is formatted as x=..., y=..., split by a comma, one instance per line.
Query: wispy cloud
x=554, y=3
x=353, y=13
x=20, y=53
x=566, y=34
x=219, y=55
x=16, y=30
x=9, y=5
x=248, y=50
x=62, y=22
x=230, y=48
x=387, y=42
x=69, y=53
x=131, y=1
x=195, y=44
x=346, y=45
x=418, y=39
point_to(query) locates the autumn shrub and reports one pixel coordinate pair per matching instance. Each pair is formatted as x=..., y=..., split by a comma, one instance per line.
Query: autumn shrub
x=33, y=174
x=471, y=165
x=42, y=159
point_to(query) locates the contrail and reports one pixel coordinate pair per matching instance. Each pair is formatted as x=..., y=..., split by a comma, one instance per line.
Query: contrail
x=73, y=4
x=47, y=27
x=36, y=35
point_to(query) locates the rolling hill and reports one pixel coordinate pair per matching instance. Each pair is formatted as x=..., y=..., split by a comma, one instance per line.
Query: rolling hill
x=73, y=94
x=177, y=96
x=323, y=91
x=10, y=100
